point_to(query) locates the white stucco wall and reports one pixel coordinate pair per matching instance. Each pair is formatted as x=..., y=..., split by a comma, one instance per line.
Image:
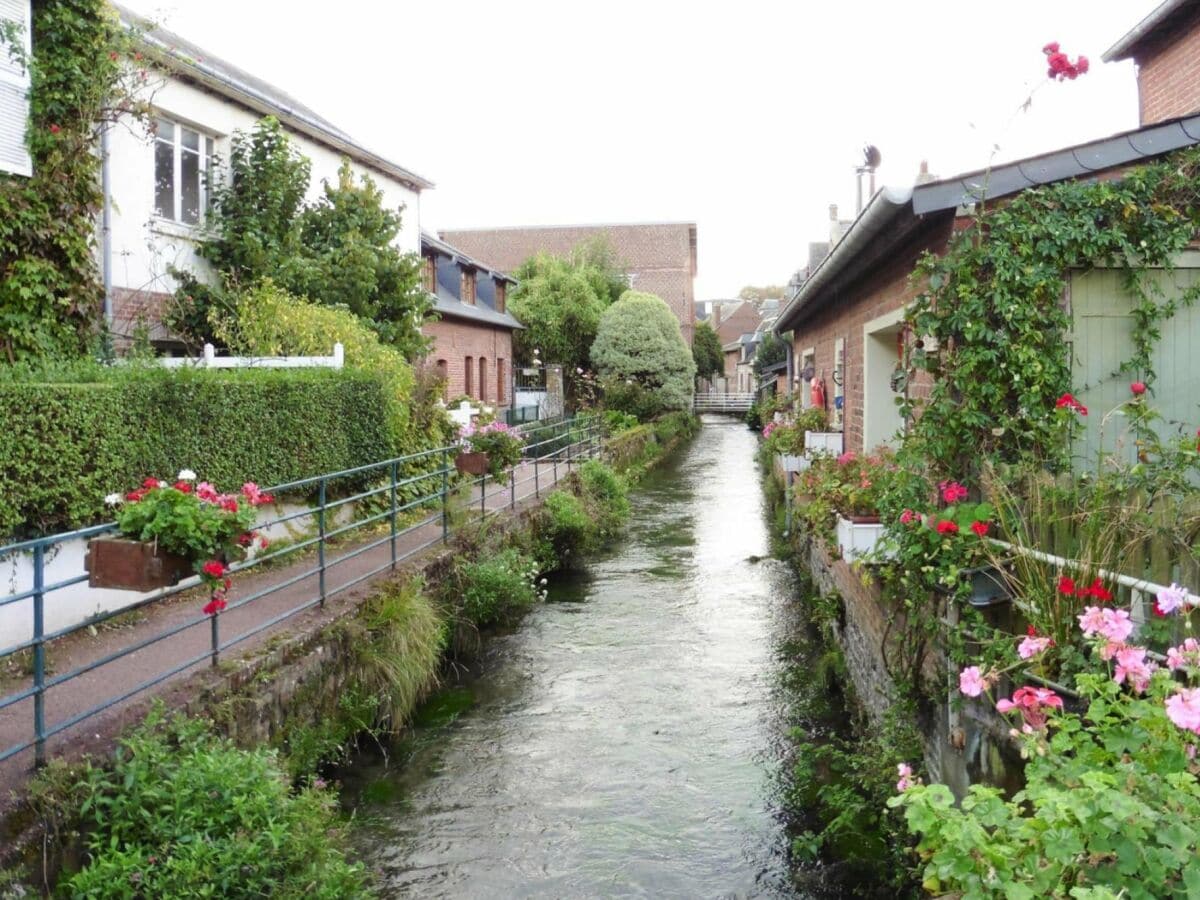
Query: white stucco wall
x=143, y=248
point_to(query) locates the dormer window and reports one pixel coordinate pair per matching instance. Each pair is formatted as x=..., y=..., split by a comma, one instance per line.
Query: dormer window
x=501, y=298
x=467, y=287
x=430, y=274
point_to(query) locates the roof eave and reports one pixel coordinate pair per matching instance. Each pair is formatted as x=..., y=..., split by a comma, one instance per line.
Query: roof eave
x=1128, y=45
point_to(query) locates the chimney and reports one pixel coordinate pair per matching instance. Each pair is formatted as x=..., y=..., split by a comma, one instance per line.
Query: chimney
x=716, y=316
x=923, y=176
x=833, y=212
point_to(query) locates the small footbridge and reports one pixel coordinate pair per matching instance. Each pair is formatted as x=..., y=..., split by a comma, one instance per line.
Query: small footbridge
x=723, y=403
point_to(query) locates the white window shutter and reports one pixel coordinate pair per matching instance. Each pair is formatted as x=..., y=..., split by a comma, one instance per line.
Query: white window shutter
x=14, y=92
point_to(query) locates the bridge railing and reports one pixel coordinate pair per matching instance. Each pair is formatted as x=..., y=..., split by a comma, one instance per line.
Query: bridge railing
x=724, y=402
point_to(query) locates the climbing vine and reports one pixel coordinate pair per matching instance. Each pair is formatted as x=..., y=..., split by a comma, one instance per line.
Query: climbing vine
x=991, y=323
x=85, y=75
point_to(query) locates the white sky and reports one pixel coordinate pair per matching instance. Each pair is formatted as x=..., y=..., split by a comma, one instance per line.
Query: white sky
x=745, y=117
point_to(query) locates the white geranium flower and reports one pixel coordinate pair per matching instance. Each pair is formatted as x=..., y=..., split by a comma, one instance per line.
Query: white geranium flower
x=185, y=475
x=113, y=500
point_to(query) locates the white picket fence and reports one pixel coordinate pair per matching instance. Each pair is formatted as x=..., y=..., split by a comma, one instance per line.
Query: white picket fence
x=210, y=360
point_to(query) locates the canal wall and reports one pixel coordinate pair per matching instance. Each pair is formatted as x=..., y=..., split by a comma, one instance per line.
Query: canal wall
x=964, y=741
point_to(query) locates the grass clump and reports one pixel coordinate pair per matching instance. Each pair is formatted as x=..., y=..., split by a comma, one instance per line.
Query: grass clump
x=496, y=588
x=182, y=813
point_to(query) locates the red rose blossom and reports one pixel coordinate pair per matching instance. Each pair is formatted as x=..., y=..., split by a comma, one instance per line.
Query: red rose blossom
x=214, y=568
x=1138, y=388
x=215, y=605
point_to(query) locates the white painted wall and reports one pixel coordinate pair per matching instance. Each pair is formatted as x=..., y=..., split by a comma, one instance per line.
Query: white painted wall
x=143, y=247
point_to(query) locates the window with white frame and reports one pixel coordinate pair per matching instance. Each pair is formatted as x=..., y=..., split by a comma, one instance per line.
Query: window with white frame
x=182, y=166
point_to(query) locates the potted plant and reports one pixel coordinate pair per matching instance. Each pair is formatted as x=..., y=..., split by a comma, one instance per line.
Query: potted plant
x=170, y=531
x=490, y=449
x=857, y=484
x=786, y=443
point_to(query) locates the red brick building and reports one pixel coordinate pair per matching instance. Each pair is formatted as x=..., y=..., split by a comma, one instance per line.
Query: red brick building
x=472, y=337
x=847, y=316
x=659, y=257
x=1166, y=48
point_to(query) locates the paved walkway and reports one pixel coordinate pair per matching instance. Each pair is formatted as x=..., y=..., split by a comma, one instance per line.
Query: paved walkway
x=129, y=673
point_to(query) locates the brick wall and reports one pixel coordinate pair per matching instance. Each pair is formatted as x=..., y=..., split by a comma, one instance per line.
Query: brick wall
x=1169, y=74
x=455, y=340
x=134, y=309
x=885, y=291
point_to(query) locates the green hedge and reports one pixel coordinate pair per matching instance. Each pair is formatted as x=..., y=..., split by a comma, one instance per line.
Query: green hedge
x=67, y=445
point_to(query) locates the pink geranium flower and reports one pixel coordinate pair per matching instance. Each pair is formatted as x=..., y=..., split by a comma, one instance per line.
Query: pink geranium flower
x=1186, y=654
x=972, y=682
x=1171, y=598
x=904, y=770
x=1183, y=708
x=1133, y=668
x=1114, y=625
x=1032, y=704
x=952, y=491
x=1032, y=645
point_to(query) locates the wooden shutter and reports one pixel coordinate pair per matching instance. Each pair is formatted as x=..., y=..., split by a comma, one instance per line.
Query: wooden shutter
x=14, y=92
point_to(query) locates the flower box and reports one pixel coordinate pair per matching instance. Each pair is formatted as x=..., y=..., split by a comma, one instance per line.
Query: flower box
x=858, y=535
x=133, y=565
x=831, y=443
x=472, y=463
x=791, y=463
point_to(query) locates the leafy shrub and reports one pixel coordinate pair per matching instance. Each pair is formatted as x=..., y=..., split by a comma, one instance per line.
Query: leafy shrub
x=639, y=340
x=495, y=588
x=632, y=399
x=605, y=491
x=68, y=445
x=266, y=320
x=564, y=527
x=617, y=422
x=676, y=425
x=185, y=814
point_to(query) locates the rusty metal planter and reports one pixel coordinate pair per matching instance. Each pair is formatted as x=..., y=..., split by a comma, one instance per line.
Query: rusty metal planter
x=133, y=565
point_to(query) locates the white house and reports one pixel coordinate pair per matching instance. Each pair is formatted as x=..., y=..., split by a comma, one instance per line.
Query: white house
x=156, y=194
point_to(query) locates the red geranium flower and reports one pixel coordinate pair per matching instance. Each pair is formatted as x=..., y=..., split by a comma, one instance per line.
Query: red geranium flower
x=150, y=483
x=135, y=496
x=980, y=528
x=947, y=527
x=1066, y=585
x=183, y=487
x=214, y=568
x=215, y=605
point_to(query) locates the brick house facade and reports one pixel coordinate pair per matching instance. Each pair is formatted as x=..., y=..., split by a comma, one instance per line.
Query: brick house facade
x=1166, y=48
x=660, y=258
x=472, y=336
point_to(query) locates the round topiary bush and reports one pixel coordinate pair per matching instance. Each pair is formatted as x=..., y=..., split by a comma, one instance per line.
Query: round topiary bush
x=639, y=343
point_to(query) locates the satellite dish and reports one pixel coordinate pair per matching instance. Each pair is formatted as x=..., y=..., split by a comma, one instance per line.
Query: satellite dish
x=871, y=157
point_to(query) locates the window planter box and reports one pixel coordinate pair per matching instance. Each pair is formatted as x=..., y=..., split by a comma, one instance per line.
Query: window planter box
x=133, y=566
x=858, y=535
x=829, y=442
x=471, y=463
x=790, y=463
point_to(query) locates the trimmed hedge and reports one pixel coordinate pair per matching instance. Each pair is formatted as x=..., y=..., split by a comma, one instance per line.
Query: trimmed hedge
x=65, y=446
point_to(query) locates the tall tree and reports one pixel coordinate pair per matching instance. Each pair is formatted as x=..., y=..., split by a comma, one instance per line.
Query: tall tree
x=758, y=294
x=706, y=351
x=639, y=341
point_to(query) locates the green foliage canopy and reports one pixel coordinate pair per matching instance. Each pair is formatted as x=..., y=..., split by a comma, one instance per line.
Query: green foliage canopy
x=771, y=350
x=706, y=351
x=639, y=340
x=559, y=306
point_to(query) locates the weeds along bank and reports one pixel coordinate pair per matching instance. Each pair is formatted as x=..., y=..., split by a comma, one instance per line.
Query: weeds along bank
x=232, y=802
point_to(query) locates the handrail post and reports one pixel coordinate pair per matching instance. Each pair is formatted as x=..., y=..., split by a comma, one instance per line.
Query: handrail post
x=570, y=440
x=445, y=494
x=395, y=472
x=482, y=497
x=537, y=488
x=39, y=654
x=321, y=538
x=214, y=631
x=512, y=478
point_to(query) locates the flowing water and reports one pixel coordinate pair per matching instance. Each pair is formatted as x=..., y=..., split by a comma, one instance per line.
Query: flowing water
x=625, y=740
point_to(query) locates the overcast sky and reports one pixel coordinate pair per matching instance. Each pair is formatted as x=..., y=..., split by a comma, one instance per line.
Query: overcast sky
x=746, y=117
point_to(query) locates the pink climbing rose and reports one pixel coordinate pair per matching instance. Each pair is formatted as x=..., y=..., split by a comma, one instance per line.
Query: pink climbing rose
x=952, y=491
x=904, y=770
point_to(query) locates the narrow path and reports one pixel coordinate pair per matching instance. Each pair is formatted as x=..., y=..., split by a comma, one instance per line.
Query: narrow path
x=129, y=672
x=624, y=741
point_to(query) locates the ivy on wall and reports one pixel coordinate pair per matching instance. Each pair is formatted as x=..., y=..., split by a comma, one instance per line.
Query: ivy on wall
x=84, y=74
x=994, y=304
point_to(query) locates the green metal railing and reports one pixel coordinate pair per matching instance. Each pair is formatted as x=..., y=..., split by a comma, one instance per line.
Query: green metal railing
x=427, y=479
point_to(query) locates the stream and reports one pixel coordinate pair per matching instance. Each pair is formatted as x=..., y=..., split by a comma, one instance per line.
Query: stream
x=626, y=739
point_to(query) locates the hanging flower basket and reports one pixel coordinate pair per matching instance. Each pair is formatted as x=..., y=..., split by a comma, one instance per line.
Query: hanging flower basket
x=170, y=531
x=472, y=463
x=127, y=565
